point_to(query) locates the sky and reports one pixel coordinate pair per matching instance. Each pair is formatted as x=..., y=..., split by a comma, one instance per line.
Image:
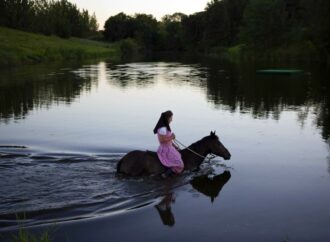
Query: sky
x=158, y=8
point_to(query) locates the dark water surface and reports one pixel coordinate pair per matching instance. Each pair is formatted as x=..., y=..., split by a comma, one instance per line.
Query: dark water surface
x=62, y=131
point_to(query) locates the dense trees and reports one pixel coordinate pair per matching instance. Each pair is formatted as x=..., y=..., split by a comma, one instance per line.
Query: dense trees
x=120, y=26
x=146, y=31
x=142, y=27
x=48, y=17
x=218, y=25
x=260, y=25
x=264, y=24
x=193, y=31
x=257, y=24
x=316, y=24
x=171, y=28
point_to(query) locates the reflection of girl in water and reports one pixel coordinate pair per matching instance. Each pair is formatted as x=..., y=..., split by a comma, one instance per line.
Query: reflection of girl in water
x=165, y=211
x=167, y=152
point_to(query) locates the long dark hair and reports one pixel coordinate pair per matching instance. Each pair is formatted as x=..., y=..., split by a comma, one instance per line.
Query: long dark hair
x=163, y=121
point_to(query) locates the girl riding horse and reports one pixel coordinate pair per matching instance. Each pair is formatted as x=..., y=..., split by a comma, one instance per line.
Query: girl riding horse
x=167, y=152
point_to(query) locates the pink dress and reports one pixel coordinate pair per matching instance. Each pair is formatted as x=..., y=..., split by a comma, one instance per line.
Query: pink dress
x=168, y=155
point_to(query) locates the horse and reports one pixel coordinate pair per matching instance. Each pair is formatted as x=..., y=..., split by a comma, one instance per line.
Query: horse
x=145, y=163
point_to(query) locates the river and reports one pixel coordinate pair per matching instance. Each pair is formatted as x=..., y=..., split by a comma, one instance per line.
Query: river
x=63, y=129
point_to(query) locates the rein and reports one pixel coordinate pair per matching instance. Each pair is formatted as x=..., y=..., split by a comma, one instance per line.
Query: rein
x=178, y=143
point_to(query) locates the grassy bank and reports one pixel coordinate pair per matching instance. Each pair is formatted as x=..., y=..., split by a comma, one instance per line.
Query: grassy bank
x=17, y=47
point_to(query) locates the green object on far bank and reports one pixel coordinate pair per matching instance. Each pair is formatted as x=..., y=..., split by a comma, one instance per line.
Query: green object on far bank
x=279, y=71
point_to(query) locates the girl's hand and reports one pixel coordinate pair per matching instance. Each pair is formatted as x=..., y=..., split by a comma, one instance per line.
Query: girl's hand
x=176, y=147
x=173, y=136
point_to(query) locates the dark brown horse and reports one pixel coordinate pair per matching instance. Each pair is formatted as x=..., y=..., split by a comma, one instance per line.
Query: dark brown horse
x=138, y=163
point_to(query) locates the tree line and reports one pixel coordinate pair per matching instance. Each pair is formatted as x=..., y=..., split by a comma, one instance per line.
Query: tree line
x=48, y=17
x=257, y=24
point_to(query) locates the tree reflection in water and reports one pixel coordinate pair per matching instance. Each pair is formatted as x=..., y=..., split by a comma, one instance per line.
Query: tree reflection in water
x=27, y=89
x=238, y=88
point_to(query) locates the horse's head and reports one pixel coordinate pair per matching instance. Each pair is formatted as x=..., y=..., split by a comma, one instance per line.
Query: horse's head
x=216, y=147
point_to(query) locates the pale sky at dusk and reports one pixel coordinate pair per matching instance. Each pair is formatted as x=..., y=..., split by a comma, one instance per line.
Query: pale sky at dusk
x=158, y=8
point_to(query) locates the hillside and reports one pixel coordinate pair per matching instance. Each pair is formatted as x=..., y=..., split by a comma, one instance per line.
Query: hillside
x=17, y=47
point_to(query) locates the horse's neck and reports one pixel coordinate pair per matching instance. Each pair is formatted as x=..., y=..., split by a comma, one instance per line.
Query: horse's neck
x=193, y=158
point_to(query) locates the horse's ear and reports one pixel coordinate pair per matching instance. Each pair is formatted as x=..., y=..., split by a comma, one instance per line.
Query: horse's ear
x=212, y=133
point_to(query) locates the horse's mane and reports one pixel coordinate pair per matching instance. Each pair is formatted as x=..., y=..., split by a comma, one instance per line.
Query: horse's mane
x=199, y=143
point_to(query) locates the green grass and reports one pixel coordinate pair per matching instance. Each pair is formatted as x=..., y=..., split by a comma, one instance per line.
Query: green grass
x=233, y=53
x=24, y=236
x=18, y=47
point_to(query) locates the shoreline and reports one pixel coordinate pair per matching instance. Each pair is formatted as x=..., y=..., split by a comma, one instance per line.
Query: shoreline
x=19, y=48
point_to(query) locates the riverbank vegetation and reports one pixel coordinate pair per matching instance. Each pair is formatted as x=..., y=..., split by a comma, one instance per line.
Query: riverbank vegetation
x=272, y=30
x=48, y=17
x=234, y=29
x=24, y=236
x=53, y=31
x=18, y=47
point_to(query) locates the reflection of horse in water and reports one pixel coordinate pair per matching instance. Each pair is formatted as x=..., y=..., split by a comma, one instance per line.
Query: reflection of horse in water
x=137, y=162
x=210, y=187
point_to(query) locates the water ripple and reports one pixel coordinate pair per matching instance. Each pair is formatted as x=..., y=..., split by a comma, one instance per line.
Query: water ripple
x=39, y=187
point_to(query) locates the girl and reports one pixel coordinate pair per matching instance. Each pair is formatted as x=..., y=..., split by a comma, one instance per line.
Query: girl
x=167, y=151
